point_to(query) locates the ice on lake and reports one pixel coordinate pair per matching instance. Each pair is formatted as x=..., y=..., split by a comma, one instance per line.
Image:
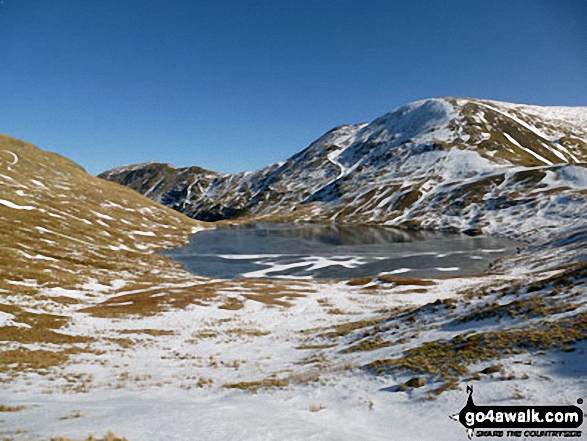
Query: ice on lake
x=334, y=252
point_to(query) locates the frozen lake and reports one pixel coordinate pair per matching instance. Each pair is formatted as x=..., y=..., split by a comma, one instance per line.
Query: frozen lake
x=334, y=252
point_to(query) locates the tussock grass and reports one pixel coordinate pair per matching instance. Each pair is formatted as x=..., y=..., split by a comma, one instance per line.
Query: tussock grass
x=254, y=386
x=71, y=416
x=448, y=360
x=7, y=408
x=151, y=303
x=533, y=306
x=405, y=281
x=315, y=347
x=360, y=281
x=38, y=334
x=369, y=344
x=152, y=332
x=375, y=324
x=245, y=332
x=110, y=436
x=232, y=304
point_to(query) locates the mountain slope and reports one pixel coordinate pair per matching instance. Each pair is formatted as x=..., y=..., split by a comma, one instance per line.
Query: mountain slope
x=449, y=163
x=68, y=241
x=54, y=216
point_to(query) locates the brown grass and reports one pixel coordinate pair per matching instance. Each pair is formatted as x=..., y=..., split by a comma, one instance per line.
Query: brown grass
x=7, y=408
x=360, y=281
x=449, y=359
x=405, y=281
x=110, y=436
x=232, y=304
x=152, y=332
x=151, y=302
x=369, y=344
x=254, y=386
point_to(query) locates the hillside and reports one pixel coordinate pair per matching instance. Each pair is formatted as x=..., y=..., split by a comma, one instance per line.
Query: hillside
x=459, y=164
x=68, y=241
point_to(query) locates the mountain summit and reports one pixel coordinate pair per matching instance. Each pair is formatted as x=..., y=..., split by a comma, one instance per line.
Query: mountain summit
x=448, y=163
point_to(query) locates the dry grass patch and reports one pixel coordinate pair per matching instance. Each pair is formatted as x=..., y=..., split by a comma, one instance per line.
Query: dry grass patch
x=71, y=416
x=254, y=386
x=243, y=332
x=204, y=382
x=315, y=347
x=152, y=332
x=124, y=343
x=7, y=408
x=405, y=281
x=110, y=436
x=270, y=292
x=360, y=281
x=413, y=291
x=205, y=333
x=533, y=306
x=369, y=344
x=23, y=359
x=232, y=304
x=376, y=323
x=270, y=299
x=337, y=311
x=448, y=360
x=39, y=335
x=344, y=329
x=150, y=303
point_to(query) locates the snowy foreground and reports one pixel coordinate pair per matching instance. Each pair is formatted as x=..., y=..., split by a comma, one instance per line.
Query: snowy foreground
x=173, y=387
x=355, y=408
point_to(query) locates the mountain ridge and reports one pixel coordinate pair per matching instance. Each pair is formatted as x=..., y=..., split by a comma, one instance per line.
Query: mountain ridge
x=426, y=164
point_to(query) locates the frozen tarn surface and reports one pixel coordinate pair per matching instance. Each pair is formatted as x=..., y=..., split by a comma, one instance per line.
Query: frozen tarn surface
x=331, y=252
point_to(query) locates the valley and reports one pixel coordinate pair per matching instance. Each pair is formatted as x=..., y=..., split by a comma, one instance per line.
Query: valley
x=101, y=331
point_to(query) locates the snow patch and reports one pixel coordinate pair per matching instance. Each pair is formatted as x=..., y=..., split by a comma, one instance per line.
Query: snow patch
x=15, y=206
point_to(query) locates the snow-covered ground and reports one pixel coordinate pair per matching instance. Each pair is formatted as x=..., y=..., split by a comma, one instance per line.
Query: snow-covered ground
x=181, y=383
x=353, y=407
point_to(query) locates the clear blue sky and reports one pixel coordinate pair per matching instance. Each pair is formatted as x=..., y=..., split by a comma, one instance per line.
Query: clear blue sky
x=234, y=85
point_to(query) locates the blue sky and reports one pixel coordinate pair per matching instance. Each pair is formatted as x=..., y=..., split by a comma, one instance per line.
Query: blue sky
x=235, y=85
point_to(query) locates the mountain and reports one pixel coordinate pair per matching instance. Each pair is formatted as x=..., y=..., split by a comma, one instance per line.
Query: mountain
x=457, y=164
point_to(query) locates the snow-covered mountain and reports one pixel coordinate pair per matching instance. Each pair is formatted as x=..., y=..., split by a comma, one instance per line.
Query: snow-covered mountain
x=459, y=164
